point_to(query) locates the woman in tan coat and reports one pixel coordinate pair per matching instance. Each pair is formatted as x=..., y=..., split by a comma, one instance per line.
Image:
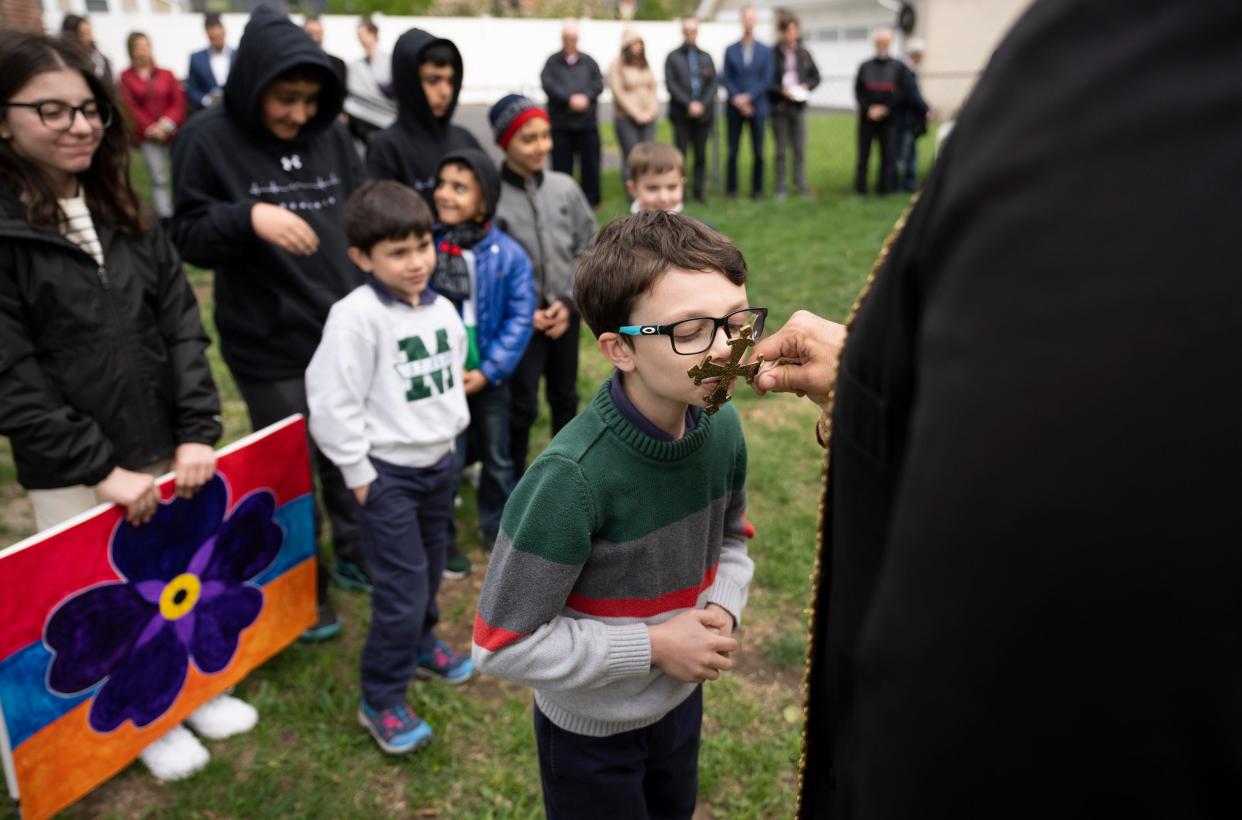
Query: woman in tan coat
x=634, y=102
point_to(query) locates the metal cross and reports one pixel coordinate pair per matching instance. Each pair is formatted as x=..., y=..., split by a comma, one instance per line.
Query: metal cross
x=727, y=372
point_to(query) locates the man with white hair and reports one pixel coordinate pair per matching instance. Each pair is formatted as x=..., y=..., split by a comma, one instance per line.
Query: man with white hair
x=912, y=114
x=878, y=90
x=573, y=82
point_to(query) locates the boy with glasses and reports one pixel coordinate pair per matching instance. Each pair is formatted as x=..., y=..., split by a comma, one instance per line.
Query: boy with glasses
x=620, y=570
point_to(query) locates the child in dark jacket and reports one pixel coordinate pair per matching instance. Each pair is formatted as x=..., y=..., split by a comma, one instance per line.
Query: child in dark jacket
x=104, y=378
x=261, y=182
x=426, y=79
x=486, y=274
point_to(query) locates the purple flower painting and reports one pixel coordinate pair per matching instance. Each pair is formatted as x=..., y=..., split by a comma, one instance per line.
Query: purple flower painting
x=184, y=598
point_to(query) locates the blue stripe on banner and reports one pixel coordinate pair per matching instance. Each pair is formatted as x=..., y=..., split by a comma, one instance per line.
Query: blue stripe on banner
x=297, y=519
x=29, y=706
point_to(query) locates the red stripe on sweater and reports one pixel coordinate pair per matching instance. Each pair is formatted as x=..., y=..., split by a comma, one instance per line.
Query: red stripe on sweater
x=642, y=607
x=880, y=86
x=493, y=638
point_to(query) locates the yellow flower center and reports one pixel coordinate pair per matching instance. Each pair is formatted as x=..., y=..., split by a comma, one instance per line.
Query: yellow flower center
x=180, y=596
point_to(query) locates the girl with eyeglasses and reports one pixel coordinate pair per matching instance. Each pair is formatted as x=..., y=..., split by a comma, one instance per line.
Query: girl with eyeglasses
x=104, y=378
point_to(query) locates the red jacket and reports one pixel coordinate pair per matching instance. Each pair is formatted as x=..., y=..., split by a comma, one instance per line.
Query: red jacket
x=148, y=100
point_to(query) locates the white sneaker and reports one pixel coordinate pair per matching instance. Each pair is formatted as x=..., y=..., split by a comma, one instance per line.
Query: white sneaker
x=223, y=716
x=175, y=756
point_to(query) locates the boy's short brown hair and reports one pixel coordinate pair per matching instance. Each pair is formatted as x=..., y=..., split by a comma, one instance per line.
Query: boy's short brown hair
x=653, y=158
x=385, y=210
x=632, y=253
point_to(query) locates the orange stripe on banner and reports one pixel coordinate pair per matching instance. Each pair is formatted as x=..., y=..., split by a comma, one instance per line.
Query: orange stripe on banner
x=67, y=759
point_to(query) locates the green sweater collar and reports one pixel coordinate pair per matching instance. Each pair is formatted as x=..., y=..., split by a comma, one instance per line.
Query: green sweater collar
x=641, y=442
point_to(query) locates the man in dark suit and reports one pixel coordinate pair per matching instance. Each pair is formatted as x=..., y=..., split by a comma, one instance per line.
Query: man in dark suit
x=691, y=78
x=209, y=68
x=573, y=82
x=878, y=88
x=747, y=75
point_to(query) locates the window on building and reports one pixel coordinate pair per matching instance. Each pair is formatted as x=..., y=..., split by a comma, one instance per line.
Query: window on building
x=97, y=6
x=857, y=33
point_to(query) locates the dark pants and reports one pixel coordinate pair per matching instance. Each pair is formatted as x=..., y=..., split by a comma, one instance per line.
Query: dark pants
x=687, y=133
x=268, y=403
x=404, y=535
x=585, y=146
x=558, y=361
x=487, y=438
x=907, y=160
x=651, y=772
x=756, y=125
x=885, y=132
x=789, y=128
x=629, y=134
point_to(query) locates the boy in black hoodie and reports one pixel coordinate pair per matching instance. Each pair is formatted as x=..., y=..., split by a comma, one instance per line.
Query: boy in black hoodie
x=426, y=79
x=261, y=182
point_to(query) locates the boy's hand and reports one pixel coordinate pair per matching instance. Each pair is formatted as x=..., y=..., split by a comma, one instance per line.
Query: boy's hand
x=473, y=381
x=284, y=229
x=730, y=623
x=135, y=492
x=192, y=467
x=557, y=316
x=360, y=493
x=688, y=648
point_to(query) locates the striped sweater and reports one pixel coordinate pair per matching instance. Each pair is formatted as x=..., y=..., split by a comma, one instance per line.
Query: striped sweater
x=608, y=531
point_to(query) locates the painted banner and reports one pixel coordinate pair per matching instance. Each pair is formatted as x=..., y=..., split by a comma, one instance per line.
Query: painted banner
x=111, y=634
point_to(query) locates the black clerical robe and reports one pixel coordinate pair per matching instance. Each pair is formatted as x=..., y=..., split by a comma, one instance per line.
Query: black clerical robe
x=1029, y=598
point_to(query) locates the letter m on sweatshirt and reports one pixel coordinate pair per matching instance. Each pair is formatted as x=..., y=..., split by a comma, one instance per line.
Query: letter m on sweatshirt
x=420, y=364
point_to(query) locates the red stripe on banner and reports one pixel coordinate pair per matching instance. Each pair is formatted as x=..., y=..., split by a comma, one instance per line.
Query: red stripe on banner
x=280, y=464
x=642, y=607
x=493, y=638
x=277, y=461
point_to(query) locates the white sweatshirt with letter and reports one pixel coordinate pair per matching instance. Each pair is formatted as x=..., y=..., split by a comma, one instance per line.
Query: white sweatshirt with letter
x=386, y=382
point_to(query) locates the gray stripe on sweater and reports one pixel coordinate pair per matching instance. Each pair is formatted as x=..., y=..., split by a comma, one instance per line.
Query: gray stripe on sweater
x=646, y=567
x=513, y=605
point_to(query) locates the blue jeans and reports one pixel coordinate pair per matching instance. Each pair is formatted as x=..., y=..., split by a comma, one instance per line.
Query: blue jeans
x=489, y=433
x=404, y=531
x=907, y=160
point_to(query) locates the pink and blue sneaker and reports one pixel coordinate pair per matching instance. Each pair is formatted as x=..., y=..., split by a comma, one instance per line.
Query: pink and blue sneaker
x=445, y=664
x=397, y=730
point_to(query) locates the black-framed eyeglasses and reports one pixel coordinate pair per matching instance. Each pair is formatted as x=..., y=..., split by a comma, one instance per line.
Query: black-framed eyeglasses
x=58, y=115
x=696, y=335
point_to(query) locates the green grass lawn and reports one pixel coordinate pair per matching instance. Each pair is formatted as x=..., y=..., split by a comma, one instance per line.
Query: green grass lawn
x=308, y=758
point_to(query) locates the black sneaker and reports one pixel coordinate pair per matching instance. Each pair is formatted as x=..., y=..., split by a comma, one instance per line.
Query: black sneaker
x=325, y=628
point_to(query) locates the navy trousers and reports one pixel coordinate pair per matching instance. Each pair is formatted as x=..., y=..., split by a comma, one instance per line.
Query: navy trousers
x=735, y=122
x=489, y=433
x=404, y=534
x=644, y=774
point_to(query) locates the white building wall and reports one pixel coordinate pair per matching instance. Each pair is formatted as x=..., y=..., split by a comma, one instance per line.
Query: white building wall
x=501, y=55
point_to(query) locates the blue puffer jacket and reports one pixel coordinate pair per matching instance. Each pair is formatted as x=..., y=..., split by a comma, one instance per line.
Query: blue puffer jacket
x=504, y=303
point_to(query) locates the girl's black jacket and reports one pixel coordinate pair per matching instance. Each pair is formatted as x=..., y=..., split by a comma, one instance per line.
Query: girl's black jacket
x=99, y=366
